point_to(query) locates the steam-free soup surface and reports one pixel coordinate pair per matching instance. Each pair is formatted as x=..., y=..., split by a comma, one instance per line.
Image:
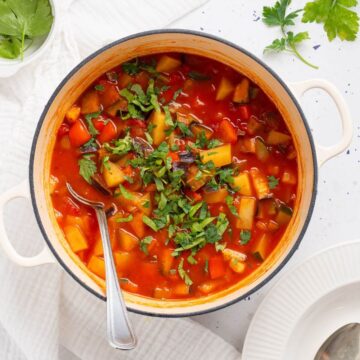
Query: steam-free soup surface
x=195, y=165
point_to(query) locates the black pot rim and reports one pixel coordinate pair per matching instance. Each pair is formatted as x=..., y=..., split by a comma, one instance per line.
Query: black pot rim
x=200, y=34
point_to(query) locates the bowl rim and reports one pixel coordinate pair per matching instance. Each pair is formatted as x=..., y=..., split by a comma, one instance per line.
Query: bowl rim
x=167, y=312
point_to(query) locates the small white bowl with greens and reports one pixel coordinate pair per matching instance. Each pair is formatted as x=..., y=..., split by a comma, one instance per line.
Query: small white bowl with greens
x=26, y=30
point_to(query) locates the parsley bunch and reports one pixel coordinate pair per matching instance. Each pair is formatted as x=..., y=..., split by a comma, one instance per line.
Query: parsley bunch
x=20, y=22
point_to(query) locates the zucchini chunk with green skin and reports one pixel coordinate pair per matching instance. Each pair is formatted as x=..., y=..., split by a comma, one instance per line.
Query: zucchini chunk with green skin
x=225, y=89
x=284, y=215
x=158, y=134
x=246, y=211
x=242, y=184
x=261, y=249
x=260, y=183
x=241, y=93
x=167, y=64
x=261, y=151
x=266, y=208
x=253, y=125
x=220, y=155
x=275, y=138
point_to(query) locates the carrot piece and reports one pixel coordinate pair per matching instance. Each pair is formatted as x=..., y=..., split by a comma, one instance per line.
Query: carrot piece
x=108, y=133
x=97, y=266
x=227, y=131
x=181, y=289
x=216, y=267
x=79, y=134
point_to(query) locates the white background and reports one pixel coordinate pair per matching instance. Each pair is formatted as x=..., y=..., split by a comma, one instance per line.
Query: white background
x=336, y=217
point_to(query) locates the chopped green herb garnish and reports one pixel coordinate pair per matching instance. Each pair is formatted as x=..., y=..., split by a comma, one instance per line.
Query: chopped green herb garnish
x=125, y=193
x=87, y=167
x=183, y=274
x=273, y=182
x=91, y=127
x=124, y=219
x=245, y=237
x=150, y=223
x=99, y=87
x=144, y=243
x=230, y=203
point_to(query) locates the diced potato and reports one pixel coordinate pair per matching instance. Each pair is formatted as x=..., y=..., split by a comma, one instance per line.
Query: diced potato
x=113, y=175
x=90, y=103
x=73, y=114
x=260, y=183
x=157, y=118
x=261, y=249
x=79, y=221
x=276, y=138
x=241, y=93
x=127, y=241
x=288, y=177
x=209, y=286
x=194, y=181
x=137, y=225
x=123, y=261
x=225, y=89
x=124, y=80
x=166, y=260
x=167, y=64
x=136, y=201
x=261, y=151
x=220, y=155
x=181, y=289
x=162, y=293
x=218, y=196
x=98, y=247
x=284, y=215
x=75, y=238
x=242, y=184
x=97, y=266
x=246, y=211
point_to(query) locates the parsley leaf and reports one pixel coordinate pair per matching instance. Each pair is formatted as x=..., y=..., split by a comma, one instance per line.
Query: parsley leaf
x=149, y=222
x=91, y=127
x=245, y=237
x=87, y=167
x=230, y=203
x=144, y=243
x=183, y=274
x=336, y=16
x=277, y=16
x=124, y=219
x=125, y=193
x=273, y=182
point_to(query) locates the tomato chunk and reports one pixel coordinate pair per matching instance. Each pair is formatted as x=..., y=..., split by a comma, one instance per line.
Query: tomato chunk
x=108, y=133
x=216, y=267
x=245, y=112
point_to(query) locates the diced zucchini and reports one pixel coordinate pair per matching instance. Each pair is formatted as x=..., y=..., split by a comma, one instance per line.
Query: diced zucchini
x=246, y=211
x=157, y=119
x=181, y=289
x=218, y=196
x=276, y=138
x=167, y=64
x=261, y=248
x=261, y=151
x=75, y=238
x=220, y=155
x=260, y=183
x=196, y=179
x=253, y=125
x=288, y=177
x=73, y=114
x=241, y=93
x=127, y=241
x=284, y=215
x=197, y=129
x=113, y=175
x=162, y=293
x=97, y=266
x=90, y=103
x=266, y=208
x=225, y=89
x=117, y=108
x=242, y=184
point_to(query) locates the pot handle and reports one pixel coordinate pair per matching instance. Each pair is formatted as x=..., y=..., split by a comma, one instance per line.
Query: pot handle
x=324, y=153
x=44, y=257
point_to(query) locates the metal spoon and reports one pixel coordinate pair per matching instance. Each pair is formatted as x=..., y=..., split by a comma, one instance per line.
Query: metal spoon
x=119, y=330
x=343, y=344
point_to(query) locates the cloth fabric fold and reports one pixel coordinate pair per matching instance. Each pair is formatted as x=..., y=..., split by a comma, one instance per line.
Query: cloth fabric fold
x=42, y=309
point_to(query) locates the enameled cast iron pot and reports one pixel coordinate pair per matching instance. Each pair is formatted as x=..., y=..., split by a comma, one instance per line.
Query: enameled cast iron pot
x=310, y=157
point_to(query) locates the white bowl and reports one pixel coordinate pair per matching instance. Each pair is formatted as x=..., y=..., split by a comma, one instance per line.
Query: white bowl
x=9, y=67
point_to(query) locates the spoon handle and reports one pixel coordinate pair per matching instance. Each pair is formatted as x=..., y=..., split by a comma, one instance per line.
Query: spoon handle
x=120, y=333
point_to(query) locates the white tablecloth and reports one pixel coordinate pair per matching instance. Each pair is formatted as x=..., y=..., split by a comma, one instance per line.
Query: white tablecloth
x=45, y=315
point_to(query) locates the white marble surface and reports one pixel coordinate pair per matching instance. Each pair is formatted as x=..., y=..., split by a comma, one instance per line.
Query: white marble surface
x=336, y=216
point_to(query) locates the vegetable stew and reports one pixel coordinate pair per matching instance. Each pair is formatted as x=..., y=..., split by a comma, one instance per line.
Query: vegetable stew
x=195, y=165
